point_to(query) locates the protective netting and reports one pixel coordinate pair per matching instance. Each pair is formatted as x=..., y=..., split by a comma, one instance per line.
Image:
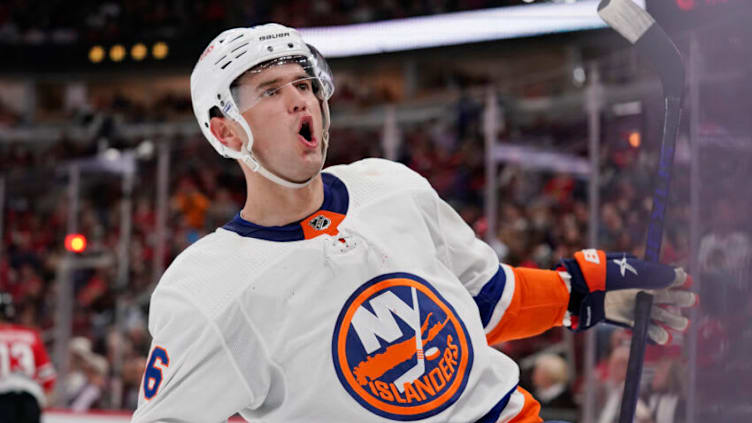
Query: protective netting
x=703, y=376
x=722, y=223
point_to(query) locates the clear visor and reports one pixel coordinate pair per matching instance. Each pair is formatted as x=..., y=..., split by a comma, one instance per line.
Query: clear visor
x=269, y=81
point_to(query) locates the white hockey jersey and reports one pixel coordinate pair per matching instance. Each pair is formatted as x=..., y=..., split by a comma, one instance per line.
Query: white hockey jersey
x=378, y=307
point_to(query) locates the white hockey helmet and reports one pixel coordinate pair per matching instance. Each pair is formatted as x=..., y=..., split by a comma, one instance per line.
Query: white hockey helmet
x=237, y=50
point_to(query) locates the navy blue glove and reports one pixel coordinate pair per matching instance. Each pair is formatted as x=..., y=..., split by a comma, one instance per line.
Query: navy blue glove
x=604, y=287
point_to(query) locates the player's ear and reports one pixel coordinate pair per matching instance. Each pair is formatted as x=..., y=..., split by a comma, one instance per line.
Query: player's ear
x=225, y=131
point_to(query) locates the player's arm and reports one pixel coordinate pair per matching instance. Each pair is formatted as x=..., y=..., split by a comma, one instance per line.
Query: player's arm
x=190, y=375
x=591, y=287
x=513, y=302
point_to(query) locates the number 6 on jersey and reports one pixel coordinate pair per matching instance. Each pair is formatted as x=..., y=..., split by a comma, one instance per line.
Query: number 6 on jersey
x=153, y=374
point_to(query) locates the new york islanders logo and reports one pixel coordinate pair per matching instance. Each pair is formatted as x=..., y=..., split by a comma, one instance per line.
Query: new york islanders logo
x=400, y=349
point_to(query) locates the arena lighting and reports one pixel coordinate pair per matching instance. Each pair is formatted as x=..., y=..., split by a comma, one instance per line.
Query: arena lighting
x=75, y=243
x=686, y=4
x=117, y=53
x=96, y=54
x=160, y=50
x=139, y=52
x=635, y=139
x=455, y=28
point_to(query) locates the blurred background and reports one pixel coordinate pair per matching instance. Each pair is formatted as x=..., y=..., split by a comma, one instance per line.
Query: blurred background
x=542, y=131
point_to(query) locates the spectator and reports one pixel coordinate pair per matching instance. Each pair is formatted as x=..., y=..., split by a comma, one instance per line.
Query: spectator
x=665, y=397
x=133, y=371
x=551, y=379
x=86, y=380
x=191, y=203
x=75, y=379
x=91, y=394
x=613, y=386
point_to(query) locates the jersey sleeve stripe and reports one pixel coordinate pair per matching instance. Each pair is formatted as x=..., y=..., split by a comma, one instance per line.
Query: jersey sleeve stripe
x=520, y=407
x=530, y=412
x=489, y=295
x=493, y=415
x=505, y=293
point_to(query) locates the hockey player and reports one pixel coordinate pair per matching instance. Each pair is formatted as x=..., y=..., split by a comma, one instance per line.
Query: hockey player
x=354, y=294
x=26, y=373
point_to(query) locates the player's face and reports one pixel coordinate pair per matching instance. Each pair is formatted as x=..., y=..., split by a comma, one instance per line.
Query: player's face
x=286, y=121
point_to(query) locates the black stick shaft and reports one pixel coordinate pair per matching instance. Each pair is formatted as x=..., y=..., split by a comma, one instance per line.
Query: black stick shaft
x=644, y=300
x=651, y=41
x=636, y=356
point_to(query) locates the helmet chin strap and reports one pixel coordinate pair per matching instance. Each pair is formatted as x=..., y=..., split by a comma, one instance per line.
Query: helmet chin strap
x=254, y=164
x=246, y=154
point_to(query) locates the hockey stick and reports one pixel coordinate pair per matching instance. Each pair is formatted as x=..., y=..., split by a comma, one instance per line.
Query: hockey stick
x=651, y=41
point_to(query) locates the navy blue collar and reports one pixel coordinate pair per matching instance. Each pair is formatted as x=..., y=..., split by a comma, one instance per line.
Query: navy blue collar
x=334, y=208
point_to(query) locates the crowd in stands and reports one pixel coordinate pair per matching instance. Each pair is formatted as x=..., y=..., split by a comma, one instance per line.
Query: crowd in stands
x=56, y=22
x=543, y=216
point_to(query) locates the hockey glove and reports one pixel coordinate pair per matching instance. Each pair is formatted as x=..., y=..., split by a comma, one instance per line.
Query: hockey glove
x=605, y=285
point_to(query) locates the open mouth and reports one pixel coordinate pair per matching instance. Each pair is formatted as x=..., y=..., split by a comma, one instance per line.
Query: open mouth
x=305, y=130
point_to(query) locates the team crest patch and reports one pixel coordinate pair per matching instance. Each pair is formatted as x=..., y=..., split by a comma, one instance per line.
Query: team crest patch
x=400, y=349
x=319, y=222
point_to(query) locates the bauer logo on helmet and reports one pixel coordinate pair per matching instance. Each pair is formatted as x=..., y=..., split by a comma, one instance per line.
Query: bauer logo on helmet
x=272, y=36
